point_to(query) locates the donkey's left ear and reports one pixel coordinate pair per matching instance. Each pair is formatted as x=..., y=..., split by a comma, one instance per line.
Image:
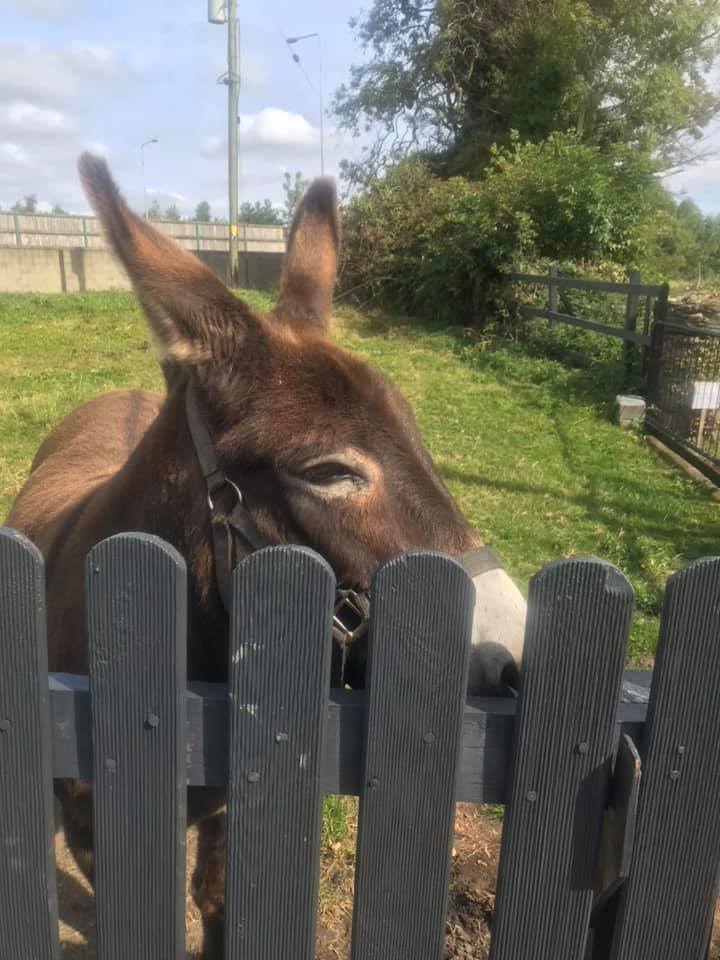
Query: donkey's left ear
x=190, y=311
x=308, y=277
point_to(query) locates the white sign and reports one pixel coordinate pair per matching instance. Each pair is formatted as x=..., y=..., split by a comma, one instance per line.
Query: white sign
x=705, y=395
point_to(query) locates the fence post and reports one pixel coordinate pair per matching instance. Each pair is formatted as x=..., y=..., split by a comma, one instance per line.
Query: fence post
x=579, y=614
x=280, y=648
x=85, y=234
x=631, y=315
x=16, y=225
x=419, y=638
x=28, y=897
x=137, y=608
x=553, y=295
x=667, y=903
x=654, y=363
x=197, y=236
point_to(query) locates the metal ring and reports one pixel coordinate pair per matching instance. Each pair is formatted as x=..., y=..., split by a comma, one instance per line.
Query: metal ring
x=235, y=487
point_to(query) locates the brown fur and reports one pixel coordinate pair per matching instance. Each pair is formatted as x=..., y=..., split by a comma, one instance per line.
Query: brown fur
x=276, y=393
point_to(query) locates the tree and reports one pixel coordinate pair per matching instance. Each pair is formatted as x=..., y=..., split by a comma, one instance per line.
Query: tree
x=261, y=212
x=293, y=188
x=202, y=212
x=155, y=213
x=27, y=205
x=172, y=212
x=451, y=77
x=59, y=211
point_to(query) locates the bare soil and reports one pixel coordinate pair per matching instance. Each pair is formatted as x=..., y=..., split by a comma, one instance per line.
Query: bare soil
x=472, y=896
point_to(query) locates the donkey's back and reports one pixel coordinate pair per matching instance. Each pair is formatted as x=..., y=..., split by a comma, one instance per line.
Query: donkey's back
x=85, y=450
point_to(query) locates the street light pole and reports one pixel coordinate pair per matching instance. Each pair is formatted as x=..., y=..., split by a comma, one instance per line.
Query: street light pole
x=142, y=161
x=233, y=80
x=308, y=36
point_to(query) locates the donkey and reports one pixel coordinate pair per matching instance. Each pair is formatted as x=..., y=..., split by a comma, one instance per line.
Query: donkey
x=268, y=433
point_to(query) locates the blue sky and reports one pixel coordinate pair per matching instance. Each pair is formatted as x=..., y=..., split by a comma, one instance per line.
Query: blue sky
x=108, y=75
x=76, y=74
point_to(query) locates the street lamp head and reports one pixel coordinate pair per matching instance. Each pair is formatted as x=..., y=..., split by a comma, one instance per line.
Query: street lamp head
x=305, y=36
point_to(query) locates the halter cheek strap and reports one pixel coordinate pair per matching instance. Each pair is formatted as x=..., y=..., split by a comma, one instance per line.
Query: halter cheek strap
x=234, y=534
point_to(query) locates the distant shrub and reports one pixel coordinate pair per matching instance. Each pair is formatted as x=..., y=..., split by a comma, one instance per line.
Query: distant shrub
x=440, y=247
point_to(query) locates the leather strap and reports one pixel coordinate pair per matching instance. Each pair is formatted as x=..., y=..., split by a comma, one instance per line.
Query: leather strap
x=234, y=534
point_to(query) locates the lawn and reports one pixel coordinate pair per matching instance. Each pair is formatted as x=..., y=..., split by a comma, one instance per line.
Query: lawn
x=524, y=443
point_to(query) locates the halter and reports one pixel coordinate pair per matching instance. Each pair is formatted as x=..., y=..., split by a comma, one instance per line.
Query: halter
x=235, y=536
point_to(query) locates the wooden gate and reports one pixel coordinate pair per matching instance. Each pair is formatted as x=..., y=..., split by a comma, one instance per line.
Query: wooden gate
x=598, y=861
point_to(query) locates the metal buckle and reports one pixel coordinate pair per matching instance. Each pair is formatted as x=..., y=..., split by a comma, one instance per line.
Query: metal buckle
x=211, y=502
x=351, y=617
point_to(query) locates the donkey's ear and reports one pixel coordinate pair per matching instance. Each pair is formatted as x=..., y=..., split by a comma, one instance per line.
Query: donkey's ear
x=192, y=313
x=308, y=277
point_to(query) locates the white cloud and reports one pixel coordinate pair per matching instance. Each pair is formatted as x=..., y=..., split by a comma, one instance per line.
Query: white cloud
x=28, y=121
x=46, y=9
x=275, y=128
x=56, y=75
x=271, y=131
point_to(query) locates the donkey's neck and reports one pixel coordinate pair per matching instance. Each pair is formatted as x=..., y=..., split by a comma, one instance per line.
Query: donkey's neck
x=160, y=490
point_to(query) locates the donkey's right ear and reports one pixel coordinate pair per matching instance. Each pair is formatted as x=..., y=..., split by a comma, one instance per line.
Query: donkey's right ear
x=308, y=276
x=192, y=313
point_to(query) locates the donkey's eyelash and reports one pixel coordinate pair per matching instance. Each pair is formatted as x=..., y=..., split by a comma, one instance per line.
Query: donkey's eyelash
x=329, y=472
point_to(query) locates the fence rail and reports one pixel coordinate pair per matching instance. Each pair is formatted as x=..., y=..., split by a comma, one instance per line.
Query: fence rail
x=39, y=230
x=562, y=757
x=656, y=303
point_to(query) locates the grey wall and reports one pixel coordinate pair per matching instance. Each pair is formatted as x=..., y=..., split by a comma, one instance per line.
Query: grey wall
x=68, y=270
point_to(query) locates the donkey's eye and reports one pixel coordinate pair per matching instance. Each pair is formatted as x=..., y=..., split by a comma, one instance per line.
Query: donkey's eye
x=332, y=471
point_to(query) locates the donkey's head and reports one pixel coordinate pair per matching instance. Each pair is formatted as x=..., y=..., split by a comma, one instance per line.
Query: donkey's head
x=324, y=449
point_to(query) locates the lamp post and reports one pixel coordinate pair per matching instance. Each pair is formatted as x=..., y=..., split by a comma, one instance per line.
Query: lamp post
x=142, y=160
x=307, y=36
x=225, y=11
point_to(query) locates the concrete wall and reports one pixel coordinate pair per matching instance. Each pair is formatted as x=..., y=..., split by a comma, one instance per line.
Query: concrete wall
x=67, y=270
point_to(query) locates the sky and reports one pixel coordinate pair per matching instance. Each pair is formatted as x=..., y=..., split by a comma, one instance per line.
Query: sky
x=107, y=75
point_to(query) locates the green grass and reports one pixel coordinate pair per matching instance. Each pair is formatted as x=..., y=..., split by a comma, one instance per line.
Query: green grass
x=524, y=443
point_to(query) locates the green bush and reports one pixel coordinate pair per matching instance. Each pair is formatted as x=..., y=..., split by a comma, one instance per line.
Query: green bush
x=440, y=247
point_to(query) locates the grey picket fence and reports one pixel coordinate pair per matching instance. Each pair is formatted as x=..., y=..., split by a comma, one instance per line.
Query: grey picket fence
x=611, y=842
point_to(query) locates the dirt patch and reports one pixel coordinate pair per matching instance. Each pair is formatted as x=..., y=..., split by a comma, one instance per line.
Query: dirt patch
x=472, y=895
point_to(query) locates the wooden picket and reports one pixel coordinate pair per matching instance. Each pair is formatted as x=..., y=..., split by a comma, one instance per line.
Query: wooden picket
x=575, y=645
x=667, y=905
x=137, y=601
x=421, y=621
x=279, y=678
x=277, y=739
x=28, y=896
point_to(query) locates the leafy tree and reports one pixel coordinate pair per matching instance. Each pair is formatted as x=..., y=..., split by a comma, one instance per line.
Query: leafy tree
x=172, y=212
x=261, y=212
x=58, y=211
x=202, y=212
x=28, y=204
x=293, y=188
x=155, y=213
x=451, y=77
